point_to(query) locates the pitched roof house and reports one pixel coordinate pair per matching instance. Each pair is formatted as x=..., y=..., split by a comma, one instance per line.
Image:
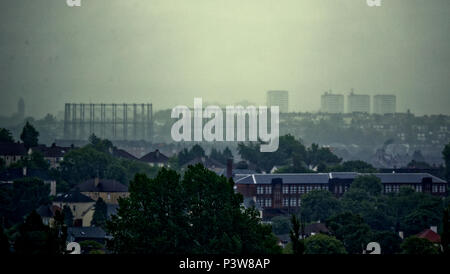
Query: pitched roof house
x=109, y=190
x=155, y=158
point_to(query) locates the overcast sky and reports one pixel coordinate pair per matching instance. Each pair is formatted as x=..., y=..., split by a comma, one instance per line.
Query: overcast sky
x=169, y=51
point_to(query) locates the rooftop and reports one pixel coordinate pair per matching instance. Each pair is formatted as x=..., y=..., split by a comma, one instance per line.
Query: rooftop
x=103, y=185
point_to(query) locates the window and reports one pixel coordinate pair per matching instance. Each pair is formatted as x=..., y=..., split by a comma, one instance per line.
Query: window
x=259, y=190
x=109, y=196
x=442, y=188
x=268, y=190
x=396, y=188
x=419, y=188
x=301, y=189
x=299, y=202
x=286, y=202
x=285, y=189
x=293, y=202
x=293, y=189
x=268, y=203
x=259, y=202
x=388, y=188
x=435, y=188
x=308, y=189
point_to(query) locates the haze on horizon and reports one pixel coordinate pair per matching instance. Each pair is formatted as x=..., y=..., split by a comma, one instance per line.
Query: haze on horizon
x=169, y=51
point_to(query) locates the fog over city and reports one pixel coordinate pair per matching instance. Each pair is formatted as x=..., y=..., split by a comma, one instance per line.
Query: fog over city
x=167, y=52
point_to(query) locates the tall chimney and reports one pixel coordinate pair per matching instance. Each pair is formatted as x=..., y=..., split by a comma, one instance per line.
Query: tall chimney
x=229, y=168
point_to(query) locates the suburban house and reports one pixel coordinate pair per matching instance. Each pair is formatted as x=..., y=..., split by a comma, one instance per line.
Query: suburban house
x=207, y=162
x=53, y=154
x=121, y=153
x=109, y=190
x=431, y=235
x=47, y=212
x=11, y=175
x=12, y=152
x=92, y=233
x=81, y=205
x=155, y=158
x=279, y=194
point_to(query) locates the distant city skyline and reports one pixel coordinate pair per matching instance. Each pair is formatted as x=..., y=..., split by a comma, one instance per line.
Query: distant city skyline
x=168, y=52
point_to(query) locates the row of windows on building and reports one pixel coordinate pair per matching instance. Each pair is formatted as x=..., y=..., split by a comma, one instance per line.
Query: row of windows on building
x=300, y=189
x=291, y=189
x=417, y=188
x=287, y=202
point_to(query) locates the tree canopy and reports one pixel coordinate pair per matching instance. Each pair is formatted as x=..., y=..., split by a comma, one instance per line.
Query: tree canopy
x=198, y=214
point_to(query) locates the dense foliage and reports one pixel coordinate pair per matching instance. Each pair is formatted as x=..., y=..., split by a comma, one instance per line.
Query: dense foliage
x=200, y=213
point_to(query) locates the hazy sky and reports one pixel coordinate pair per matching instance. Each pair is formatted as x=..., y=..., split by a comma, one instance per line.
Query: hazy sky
x=169, y=51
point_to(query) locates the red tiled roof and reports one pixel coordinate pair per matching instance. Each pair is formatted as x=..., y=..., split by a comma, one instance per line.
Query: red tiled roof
x=430, y=235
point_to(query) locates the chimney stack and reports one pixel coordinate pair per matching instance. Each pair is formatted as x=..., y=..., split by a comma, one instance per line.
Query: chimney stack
x=229, y=168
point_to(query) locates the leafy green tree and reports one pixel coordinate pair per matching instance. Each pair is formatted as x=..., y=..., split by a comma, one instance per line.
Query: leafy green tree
x=323, y=244
x=68, y=215
x=4, y=242
x=29, y=136
x=353, y=166
x=319, y=205
x=296, y=235
x=20, y=198
x=364, y=198
x=280, y=225
x=200, y=214
x=5, y=136
x=419, y=220
x=446, y=154
x=36, y=238
x=34, y=161
x=100, y=213
x=91, y=247
x=418, y=246
x=389, y=241
x=351, y=230
x=445, y=235
x=32, y=237
x=368, y=183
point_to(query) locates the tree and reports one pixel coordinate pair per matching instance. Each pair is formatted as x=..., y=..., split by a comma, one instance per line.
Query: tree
x=36, y=238
x=29, y=136
x=368, y=183
x=68, y=215
x=319, y=205
x=351, y=230
x=100, y=213
x=280, y=225
x=5, y=136
x=353, y=166
x=199, y=214
x=389, y=241
x=446, y=154
x=296, y=235
x=418, y=246
x=20, y=198
x=4, y=242
x=323, y=244
x=445, y=235
x=32, y=238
